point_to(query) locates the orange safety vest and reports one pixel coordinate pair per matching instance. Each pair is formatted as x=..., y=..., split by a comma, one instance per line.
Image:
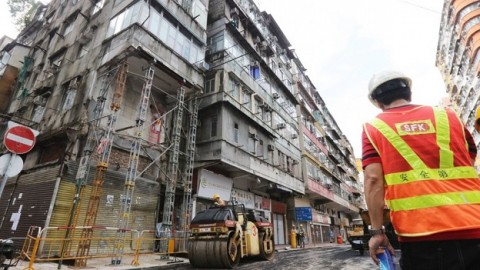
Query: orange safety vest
x=428, y=190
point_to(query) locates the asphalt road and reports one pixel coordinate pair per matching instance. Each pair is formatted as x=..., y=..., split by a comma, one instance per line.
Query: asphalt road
x=332, y=258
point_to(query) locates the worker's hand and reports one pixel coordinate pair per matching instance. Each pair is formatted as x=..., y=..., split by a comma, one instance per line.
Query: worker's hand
x=376, y=241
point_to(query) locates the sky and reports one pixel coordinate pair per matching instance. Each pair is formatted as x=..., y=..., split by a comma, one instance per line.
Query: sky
x=342, y=43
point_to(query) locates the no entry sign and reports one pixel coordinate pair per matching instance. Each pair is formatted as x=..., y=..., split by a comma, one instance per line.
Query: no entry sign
x=19, y=139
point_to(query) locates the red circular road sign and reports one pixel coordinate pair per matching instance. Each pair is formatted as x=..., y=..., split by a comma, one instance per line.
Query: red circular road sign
x=19, y=139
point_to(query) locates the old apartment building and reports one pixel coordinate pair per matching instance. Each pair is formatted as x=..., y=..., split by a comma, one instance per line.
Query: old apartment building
x=458, y=57
x=146, y=109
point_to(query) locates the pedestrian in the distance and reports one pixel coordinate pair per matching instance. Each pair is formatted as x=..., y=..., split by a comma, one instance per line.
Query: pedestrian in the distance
x=301, y=237
x=419, y=161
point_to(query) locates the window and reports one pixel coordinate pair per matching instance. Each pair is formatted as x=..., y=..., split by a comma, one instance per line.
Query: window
x=216, y=43
x=252, y=143
x=234, y=88
x=267, y=116
x=56, y=61
x=235, y=132
x=98, y=6
x=246, y=98
x=255, y=72
x=125, y=19
x=258, y=106
x=213, y=129
x=55, y=64
x=69, y=95
x=210, y=85
x=187, y=5
x=38, y=113
x=84, y=48
x=68, y=27
x=260, y=150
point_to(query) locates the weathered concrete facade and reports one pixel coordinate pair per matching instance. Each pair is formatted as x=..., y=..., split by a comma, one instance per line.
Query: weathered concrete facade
x=264, y=136
x=76, y=50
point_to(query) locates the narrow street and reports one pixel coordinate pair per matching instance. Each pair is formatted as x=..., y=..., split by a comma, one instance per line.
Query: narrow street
x=331, y=258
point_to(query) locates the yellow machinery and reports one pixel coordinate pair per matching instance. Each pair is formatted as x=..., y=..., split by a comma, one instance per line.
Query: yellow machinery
x=222, y=235
x=356, y=236
x=477, y=119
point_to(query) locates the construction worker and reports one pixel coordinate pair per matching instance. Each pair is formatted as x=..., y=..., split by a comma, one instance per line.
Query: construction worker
x=419, y=161
x=301, y=237
x=217, y=200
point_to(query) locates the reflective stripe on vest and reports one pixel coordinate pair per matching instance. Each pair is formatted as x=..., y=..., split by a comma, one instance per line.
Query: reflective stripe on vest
x=434, y=200
x=443, y=138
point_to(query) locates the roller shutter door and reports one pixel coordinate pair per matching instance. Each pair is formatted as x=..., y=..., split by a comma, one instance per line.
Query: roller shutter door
x=29, y=204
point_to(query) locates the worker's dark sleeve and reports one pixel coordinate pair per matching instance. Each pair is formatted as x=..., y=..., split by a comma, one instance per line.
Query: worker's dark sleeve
x=369, y=153
x=472, y=148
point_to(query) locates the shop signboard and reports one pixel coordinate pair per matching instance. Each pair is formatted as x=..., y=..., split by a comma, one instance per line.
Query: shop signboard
x=211, y=183
x=303, y=213
x=243, y=197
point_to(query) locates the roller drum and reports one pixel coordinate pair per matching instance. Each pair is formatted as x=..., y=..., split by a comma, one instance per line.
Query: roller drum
x=213, y=252
x=267, y=246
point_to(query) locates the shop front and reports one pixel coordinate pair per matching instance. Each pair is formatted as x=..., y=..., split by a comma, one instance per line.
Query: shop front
x=321, y=228
x=279, y=211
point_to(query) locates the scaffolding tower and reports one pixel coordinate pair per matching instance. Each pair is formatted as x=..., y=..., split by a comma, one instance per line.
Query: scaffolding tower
x=187, y=180
x=84, y=168
x=172, y=173
x=104, y=149
x=132, y=168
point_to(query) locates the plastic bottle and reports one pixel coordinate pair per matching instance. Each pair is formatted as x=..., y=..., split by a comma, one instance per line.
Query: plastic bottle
x=386, y=259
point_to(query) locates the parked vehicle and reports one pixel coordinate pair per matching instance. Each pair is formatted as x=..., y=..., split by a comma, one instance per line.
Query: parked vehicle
x=359, y=236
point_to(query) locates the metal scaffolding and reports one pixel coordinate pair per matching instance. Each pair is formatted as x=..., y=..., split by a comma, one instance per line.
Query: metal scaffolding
x=172, y=172
x=126, y=203
x=187, y=179
x=104, y=149
x=180, y=148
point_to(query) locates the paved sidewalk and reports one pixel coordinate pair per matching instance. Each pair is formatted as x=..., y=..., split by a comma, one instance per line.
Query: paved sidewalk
x=147, y=261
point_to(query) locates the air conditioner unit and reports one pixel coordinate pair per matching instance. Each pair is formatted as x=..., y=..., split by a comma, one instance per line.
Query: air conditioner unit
x=263, y=45
x=204, y=66
x=39, y=100
x=234, y=11
x=276, y=96
x=329, y=186
x=255, y=64
x=73, y=84
x=270, y=147
x=281, y=126
x=254, y=136
x=257, y=40
x=294, y=136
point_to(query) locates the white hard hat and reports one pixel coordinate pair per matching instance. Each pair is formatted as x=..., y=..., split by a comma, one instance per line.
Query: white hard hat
x=383, y=77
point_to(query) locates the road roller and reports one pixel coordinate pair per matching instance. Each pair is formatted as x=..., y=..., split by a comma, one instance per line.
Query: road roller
x=222, y=235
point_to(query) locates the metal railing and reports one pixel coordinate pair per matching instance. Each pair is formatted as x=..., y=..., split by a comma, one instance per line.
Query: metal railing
x=45, y=244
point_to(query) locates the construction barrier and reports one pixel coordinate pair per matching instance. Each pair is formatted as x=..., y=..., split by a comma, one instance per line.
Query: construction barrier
x=50, y=245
